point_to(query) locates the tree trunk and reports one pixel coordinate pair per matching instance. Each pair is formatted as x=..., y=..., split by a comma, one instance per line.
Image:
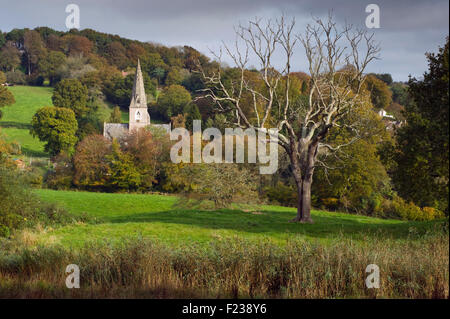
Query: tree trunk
x=304, y=200
x=304, y=182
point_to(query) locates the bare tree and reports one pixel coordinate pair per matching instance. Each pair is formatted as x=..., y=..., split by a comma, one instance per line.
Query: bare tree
x=337, y=58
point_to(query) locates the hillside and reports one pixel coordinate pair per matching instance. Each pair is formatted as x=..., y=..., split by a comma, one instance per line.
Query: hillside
x=16, y=120
x=15, y=123
x=126, y=216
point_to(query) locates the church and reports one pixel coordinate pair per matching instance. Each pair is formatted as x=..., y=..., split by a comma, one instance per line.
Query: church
x=138, y=113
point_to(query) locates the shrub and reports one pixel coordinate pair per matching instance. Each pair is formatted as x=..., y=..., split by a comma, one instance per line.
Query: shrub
x=19, y=207
x=15, y=77
x=60, y=177
x=53, y=214
x=16, y=201
x=6, y=97
x=331, y=203
x=4, y=231
x=36, y=180
x=218, y=183
x=173, y=179
x=281, y=194
x=36, y=80
x=431, y=213
x=399, y=208
x=408, y=211
x=371, y=205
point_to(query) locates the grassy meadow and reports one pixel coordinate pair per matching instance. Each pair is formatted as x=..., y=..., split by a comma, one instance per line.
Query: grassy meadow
x=148, y=246
x=161, y=217
x=15, y=123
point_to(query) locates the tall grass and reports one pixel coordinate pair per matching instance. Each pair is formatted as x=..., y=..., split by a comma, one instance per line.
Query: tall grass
x=231, y=268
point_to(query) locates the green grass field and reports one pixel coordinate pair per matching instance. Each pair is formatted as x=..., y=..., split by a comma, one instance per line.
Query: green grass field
x=104, y=112
x=16, y=120
x=128, y=216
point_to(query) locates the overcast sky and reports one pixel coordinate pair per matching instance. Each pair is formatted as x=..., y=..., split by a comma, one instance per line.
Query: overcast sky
x=408, y=28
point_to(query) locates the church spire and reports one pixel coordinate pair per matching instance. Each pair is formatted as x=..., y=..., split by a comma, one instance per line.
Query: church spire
x=138, y=113
x=138, y=97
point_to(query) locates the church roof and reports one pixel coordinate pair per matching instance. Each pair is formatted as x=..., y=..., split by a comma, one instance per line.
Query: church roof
x=115, y=130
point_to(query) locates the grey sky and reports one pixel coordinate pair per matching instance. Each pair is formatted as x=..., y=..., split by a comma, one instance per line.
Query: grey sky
x=408, y=28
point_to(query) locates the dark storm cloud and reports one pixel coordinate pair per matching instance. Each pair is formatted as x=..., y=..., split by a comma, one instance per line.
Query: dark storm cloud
x=408, y=28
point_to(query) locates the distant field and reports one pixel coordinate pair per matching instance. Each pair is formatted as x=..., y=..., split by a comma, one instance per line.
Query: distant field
x=16, y=120
x=126, y=216
x=105, y=109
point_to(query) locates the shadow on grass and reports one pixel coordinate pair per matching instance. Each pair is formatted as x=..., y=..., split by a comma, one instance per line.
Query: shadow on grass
x=33, y=153
x=277, y=223
x=10, y=124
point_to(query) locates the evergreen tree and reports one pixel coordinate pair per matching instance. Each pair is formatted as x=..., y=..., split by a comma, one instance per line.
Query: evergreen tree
x=422, y=172
x=116, y=115
x=191, y=113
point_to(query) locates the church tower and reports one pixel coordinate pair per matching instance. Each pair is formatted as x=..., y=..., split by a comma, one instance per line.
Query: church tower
x=139, y=116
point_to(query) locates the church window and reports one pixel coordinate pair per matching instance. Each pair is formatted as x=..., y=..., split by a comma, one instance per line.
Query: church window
x=138, y=116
